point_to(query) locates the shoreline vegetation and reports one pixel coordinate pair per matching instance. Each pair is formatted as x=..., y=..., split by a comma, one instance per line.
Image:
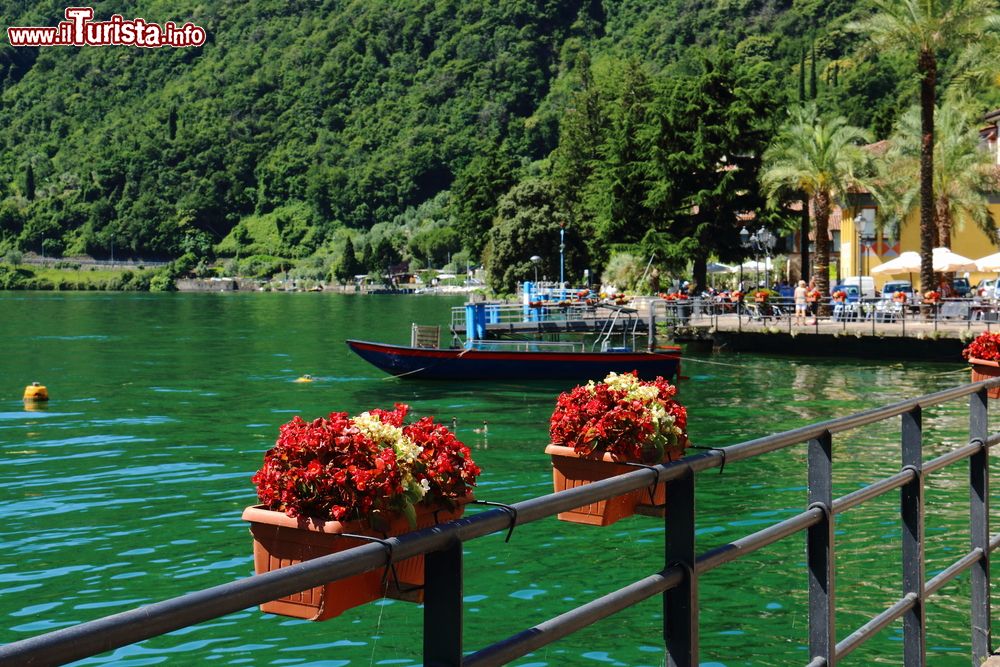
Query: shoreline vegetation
x=85, y=274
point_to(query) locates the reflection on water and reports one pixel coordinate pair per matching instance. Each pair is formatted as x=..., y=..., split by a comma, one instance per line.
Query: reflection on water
x=128, y=487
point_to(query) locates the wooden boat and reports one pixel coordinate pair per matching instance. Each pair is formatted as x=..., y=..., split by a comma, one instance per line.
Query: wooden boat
x=499, y=364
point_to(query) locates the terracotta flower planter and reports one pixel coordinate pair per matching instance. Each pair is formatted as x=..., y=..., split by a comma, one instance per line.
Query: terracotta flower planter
x=984, y=369
x=570, y=470
x=280, y=540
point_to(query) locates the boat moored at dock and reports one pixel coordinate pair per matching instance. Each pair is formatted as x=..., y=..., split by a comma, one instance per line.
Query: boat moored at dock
x=492, y=362
x=488, y=353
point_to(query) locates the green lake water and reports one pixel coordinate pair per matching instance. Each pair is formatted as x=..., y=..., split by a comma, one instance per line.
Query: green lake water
x=128, y=487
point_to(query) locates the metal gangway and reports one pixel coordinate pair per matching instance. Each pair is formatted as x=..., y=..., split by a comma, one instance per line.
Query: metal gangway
x=683, y=565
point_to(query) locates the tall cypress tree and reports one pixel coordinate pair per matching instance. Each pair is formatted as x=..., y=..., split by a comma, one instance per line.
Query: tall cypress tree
x=802, y=75
x=172, y=123
x=29, y=183
x=812, y=73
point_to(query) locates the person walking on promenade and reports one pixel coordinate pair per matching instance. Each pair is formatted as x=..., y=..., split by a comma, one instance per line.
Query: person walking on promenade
x=800, y=303
x=813, y=296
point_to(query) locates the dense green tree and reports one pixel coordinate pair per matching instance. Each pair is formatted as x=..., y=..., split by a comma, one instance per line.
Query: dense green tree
x=528, y=222
x=617, y=193
x=924, y=29
x=478, y=187
x=822, y=158
x=708, y=139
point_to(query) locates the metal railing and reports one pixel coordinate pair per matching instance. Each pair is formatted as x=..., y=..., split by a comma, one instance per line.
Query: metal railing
x=882, y=314
x=679, y=578
x=515, y=313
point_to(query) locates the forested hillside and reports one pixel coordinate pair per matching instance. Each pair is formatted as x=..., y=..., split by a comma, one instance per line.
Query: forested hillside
x=433, y=131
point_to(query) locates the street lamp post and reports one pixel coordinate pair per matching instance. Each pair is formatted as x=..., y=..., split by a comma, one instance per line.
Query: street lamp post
x=562, y=260
x=535, y=259
x=766, y=240
x=745, y=243
x=866, y=235
x=762, y=242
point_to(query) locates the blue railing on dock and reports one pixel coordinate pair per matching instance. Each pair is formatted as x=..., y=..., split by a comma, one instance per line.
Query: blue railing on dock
x=683, y=566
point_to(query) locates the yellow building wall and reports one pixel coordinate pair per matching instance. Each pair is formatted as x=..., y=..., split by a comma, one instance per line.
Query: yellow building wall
x=967, y=240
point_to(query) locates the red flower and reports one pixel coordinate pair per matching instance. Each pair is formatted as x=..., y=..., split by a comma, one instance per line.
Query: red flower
x=985, y=346
x=624, y=416
x=331, y=469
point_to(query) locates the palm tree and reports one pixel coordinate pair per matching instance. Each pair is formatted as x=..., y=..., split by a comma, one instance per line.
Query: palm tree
x=963, y=172
x=925, y=28
x=822, y=158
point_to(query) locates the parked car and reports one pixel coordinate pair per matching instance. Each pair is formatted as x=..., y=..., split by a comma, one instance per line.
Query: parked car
x=867, y=284
x=961, y=287
x=893, y=286
x=986, y=289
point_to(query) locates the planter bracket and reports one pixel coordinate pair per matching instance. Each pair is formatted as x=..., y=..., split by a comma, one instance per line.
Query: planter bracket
x=509, y=509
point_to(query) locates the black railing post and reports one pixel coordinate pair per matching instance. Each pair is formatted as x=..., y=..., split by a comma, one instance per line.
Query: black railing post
x=979, y=527
x=912, y=513
x=443, y=606
x=680, y=604
x=819, y=549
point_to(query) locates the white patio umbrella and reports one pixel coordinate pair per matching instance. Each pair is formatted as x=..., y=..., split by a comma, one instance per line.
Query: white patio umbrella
x=907, y=262
x=947, y=261
x=751, y=265
x=989, y=264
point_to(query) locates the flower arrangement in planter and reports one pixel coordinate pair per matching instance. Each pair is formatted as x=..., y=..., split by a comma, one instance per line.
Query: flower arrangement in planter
x=983, y=355
x=932, y=296
x=761, y=296
x=840, y=296
x=736, y=296
x=597, y=427
x=899, y=297
x=370, y=475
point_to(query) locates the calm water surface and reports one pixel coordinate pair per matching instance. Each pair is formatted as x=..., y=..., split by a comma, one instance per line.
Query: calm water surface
x=128, y=487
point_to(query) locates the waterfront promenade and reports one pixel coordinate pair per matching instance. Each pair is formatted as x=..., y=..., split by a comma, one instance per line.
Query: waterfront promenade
x=928, y=337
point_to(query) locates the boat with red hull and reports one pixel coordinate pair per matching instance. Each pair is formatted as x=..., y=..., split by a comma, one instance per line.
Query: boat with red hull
x=484, y=363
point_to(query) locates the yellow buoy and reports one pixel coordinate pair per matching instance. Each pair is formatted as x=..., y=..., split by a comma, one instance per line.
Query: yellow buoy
x=305, y=378
x=36, y=392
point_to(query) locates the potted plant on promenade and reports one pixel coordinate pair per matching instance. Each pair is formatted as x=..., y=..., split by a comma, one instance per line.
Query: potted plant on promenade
x=368, y=475
x=599, y=427
x=983, y=355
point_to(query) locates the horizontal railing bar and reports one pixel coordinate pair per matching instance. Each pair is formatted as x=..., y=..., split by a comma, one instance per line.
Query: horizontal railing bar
x=817, y=662
x=954, y=456
x=880, y=622
x=769, y=443
x=995, y=542
x=729, y=552
x=110, y=632
x=873, y=490
x=952, y=571
x=529, y=640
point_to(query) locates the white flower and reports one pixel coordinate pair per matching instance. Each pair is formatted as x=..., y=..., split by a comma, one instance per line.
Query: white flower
x=388, y=435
